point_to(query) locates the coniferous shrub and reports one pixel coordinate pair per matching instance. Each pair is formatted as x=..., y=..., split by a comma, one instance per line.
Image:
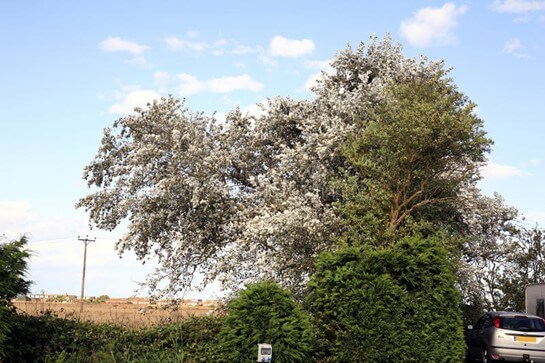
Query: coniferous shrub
x=266, y=313
x=388, y=305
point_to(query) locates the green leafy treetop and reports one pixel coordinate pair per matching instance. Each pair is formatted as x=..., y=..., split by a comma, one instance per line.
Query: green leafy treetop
x=410, y=161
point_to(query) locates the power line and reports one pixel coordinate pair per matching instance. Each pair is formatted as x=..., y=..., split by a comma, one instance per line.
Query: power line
x=58, y=240
x=49, y=241
x=46, y=242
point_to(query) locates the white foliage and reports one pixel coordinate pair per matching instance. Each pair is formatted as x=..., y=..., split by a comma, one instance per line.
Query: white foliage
x=243, y=199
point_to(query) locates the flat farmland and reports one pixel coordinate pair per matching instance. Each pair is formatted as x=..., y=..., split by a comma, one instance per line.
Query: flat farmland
x=126, y=314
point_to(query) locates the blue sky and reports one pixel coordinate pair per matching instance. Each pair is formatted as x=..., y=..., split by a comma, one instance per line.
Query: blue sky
x=69, y=69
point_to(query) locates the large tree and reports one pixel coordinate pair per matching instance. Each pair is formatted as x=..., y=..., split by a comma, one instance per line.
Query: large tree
x=488, y=229
x=252, y=198
x=524, y=264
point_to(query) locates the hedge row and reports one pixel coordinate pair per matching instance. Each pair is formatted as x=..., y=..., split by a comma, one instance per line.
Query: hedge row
x=364, y=305
x=47, y=338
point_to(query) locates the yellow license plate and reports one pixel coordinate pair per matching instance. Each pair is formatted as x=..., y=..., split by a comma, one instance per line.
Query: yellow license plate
x=519, y=338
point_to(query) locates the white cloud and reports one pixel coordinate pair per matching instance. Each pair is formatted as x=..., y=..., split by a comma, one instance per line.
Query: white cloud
x=138, y=60
x=219, y=43
x=535, y=217
x=266, y=60
x=312, y=80
x=56, y=266
x=162, y=81
x=134, y=98
x=521, y=19
x=514, y=47
x=19, y=218
x=323, y=65
x=220, y=117
x=193, y=45
x=501, y=171
x=187, y=84
x=284, y=47
x=244, y=49
x=68, y=251
x=57, y=254
x=256, y=110
x=13, y=208
x=174, y=43
x=228, y=84
x=193, y=34
x=116, y=44
x=432, y=26
x=518, y=6
x=190, y=84
x=160, y=76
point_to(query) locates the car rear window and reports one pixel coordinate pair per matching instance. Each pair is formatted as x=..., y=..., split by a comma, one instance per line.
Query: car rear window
x=522, y=323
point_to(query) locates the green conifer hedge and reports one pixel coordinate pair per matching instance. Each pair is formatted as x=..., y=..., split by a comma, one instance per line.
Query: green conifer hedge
x=388, y=305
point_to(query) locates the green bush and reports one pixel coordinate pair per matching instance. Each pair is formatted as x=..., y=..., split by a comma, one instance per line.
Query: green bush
x=34, y=337
x=266, y=313
x=4, y=329
x=13, y=267
x=390, y=305
x=47, y=338
x=201, y=338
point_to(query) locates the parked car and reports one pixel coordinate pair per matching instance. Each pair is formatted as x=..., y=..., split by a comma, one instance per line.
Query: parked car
x=507, y=337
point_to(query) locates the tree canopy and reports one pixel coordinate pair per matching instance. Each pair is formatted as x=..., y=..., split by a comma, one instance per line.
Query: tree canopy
x=418, y=149
x=255, y=198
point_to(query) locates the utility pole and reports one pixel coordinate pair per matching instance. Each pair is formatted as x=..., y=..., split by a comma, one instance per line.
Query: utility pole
x=85, y=241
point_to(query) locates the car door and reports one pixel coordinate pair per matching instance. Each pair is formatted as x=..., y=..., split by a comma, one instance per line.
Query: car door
x=474, y=340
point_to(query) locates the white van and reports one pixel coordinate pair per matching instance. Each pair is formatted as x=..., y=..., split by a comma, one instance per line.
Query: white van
x=535, y=299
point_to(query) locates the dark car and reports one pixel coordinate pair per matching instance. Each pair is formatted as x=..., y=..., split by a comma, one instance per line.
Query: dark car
x=507, y=337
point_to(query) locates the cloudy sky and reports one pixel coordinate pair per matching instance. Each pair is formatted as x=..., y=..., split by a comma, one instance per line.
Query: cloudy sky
x=69, y=69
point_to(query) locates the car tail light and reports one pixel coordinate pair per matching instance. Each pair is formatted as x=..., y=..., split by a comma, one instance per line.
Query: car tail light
x=497, y=321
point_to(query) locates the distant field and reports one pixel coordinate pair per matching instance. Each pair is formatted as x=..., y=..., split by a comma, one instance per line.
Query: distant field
x=132, y=315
